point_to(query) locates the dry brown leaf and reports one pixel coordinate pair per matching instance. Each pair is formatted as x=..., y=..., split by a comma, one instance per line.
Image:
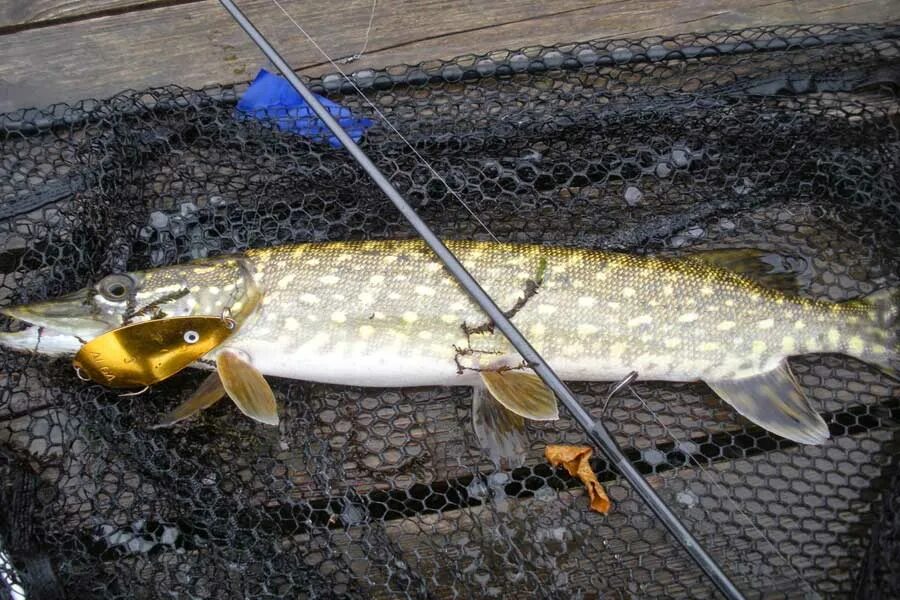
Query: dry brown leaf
x=576, y=461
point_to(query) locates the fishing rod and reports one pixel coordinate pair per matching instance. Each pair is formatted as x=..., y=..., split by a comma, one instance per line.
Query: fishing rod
x=595, y=430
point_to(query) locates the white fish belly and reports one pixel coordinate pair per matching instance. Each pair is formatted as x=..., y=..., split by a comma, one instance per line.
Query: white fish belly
x=363, y=369
x=367, y=369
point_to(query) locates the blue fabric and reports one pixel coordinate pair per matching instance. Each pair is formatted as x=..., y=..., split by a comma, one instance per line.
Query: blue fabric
x=271, y=97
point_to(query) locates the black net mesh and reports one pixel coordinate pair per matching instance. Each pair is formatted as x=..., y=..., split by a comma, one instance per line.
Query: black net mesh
x=780, y=138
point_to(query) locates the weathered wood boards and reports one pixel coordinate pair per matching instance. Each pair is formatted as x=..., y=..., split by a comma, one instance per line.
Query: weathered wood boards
x=82, y=55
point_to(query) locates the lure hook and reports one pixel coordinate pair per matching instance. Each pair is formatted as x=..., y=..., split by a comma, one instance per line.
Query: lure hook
x=137, y=393
x=628, y=380
x=230, y=323
x=81, y=375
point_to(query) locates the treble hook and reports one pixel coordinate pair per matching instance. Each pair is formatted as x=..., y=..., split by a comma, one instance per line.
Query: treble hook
x=81, y=375
x=230, y=323
x=137, y=393
x=628, y=380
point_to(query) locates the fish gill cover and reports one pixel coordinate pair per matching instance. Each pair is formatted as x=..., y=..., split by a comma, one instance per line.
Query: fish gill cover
x=783, y=139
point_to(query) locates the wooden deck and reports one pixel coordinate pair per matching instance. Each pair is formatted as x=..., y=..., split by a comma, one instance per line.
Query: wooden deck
x=64, y=51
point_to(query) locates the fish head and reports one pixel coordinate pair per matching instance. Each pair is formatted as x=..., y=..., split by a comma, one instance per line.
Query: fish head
x=217, y=287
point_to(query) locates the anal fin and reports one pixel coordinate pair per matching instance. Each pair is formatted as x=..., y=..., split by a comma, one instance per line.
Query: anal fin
x=522, y=393
x=500, y=432
x=209, y=392
x=774, y=401
x=247, y=387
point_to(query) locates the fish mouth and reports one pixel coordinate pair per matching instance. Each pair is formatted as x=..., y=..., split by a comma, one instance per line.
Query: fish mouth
x=71, y=315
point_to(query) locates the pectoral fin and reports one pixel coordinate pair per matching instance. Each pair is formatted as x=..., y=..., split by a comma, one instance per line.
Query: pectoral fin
x=522, y=393
x=500, y=432
x=247, y=387
x=209, y=392
x=775, y=402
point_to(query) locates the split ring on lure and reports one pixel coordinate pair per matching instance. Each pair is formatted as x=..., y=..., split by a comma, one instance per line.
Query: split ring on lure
x=142, y=354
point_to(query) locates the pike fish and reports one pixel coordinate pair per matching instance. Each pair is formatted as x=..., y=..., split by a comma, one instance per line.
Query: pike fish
x=387, y=314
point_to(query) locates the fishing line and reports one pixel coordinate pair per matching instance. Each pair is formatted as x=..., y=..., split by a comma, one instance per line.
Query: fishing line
x=359, y=54
x=383, y=117
x=735, y=505
x=595, y=430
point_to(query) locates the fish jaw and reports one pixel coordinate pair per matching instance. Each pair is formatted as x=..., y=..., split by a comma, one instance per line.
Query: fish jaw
x=55, y=327
x=73, y=314
x=40, y=340
x=62, y=325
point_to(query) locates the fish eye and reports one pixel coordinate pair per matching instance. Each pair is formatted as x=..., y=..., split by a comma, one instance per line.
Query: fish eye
x=115, y=287
x=191, y=337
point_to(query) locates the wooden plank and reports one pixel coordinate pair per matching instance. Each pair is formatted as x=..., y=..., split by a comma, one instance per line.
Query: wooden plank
x=777, y=523
x=197, y=44
x=399, y=439
x=810, y=501
x=406, y=438
x=24, y=14
x=628, y=554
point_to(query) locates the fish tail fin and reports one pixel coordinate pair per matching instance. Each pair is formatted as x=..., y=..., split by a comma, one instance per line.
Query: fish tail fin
x=879, y=334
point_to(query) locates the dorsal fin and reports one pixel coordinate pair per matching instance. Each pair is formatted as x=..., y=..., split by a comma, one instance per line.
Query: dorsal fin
x=766, y=268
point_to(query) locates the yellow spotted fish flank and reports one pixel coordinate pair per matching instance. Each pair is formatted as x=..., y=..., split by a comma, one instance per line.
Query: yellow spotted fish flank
x=386, y=313
x=384, y=293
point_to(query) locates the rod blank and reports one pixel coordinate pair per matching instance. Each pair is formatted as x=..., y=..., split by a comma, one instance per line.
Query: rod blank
x=594, y=429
